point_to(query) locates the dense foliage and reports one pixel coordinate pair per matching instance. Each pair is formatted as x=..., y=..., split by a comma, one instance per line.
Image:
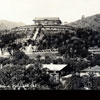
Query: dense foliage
x=72, y=43
x=35, y=77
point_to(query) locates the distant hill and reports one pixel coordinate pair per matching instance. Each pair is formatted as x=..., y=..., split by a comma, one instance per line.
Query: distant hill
x=92, y=22
x=4, y=24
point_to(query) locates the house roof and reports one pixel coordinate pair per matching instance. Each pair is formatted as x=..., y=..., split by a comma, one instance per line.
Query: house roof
x=92, y=69
x=46, y=18
x=67, y=76
x=54, y=67
x=29, y=65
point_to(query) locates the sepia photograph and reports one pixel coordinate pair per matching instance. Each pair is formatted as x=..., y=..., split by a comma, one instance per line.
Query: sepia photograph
x=49, y=45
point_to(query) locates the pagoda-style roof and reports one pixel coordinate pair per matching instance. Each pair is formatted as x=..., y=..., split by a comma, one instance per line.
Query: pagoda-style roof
x=46, y=18
x=92, y=69
x=54, y=67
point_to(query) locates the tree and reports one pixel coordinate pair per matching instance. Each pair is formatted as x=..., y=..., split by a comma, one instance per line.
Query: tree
x=74, y=83
x=36, y=75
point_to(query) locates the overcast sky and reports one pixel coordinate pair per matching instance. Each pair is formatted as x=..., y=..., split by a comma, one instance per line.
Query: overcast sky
x=67, y=10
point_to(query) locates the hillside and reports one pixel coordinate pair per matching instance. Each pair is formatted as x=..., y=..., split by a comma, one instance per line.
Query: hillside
x=92, y=22
x=4, y=24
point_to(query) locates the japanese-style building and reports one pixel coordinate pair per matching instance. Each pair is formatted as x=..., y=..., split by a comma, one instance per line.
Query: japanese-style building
x=41, y=26
x=91, y=70
x=55, y=70
x=47, y=21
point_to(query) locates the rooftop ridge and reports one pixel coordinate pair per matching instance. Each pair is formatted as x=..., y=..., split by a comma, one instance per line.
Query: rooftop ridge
x=48, y=18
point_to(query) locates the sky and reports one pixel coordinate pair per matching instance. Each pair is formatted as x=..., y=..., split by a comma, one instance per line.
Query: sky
x=67, y=10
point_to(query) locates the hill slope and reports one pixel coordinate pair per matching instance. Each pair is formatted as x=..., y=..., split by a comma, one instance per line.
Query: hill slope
x=4, y=24
x=92, y=22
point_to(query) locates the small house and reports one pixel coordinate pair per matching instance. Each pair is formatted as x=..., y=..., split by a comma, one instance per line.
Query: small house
x=54, y=69
x=91, y=70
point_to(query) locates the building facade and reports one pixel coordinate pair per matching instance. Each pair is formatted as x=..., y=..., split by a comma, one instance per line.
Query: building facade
x=47, y=21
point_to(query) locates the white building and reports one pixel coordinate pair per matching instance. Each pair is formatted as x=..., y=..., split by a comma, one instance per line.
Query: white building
x=91, y=70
